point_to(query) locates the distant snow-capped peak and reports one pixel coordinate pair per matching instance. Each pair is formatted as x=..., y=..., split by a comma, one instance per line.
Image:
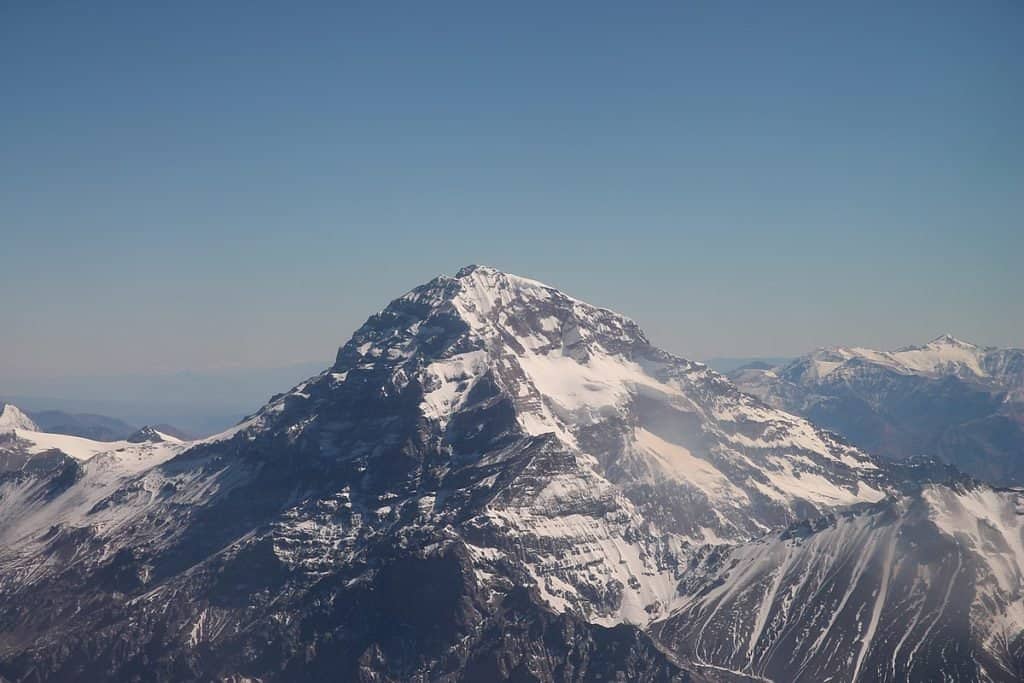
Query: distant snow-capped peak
x=950, y=340
x=948, y=398
x=12, y=418
x=944, y=355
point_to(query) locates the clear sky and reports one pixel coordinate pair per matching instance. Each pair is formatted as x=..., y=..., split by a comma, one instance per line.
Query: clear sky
x=216, y=184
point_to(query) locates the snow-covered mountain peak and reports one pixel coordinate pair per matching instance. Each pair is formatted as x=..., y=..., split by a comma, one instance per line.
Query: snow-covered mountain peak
x=547, y=434
x=12, y=418
x=580, y=433
x=486, y=357
x=501, y=305
x=475, y=269
x=950, y=340
x=944, y=355
x=538, y=345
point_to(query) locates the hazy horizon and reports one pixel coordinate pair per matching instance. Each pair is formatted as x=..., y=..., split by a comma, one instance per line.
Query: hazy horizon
x=26, y=377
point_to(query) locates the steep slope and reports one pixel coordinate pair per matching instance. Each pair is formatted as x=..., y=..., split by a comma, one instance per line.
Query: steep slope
x=482, y=434
x=923, y=587
x=948, y=398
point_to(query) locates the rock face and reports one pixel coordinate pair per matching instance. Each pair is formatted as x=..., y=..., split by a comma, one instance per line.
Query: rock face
x=494, y=481
x=948, y=398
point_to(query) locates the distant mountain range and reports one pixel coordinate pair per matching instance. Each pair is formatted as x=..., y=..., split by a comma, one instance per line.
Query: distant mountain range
x=87, y=425
x=726, y=365
x=96, y=427
x=198, y=402
x=948, y=398
x=495, y=481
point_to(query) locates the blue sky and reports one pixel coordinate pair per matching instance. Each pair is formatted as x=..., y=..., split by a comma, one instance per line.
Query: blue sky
x=211, y=185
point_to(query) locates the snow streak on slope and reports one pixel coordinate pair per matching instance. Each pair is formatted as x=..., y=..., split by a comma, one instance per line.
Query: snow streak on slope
x=988, y=524
x=904, y=591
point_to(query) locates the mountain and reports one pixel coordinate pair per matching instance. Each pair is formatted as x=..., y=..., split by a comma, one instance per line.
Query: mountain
x=88, y=425
x=11, y=418
x=493, y=481
x=726, y=365
x=949, y=399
